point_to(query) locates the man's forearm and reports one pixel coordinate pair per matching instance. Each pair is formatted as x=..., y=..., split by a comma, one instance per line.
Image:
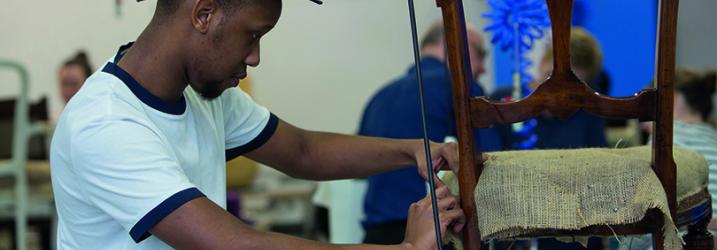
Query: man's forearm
x=201, y=224
x=328, y=156
x=334, y=156
x=268, y=240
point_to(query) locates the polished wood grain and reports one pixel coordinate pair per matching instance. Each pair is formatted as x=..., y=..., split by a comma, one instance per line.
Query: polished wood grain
x=455, y=32
x=571, y=97
x=662, y=160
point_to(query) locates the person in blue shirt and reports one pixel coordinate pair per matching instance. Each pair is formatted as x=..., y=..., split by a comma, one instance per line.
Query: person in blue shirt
x=394, y=112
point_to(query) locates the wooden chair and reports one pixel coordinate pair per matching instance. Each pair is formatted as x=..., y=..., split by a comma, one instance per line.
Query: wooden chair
x=563, y=94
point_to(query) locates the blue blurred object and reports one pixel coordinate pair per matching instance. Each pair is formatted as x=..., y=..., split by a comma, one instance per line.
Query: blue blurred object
x=623, y=59
x=515, y=25
x=627, y=39
x=529, y=17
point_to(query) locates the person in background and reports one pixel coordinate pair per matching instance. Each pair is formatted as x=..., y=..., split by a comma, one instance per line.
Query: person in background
x=583, y=129
x=691, y=129
x=73, y=73
x=70, y=77
x=394, y=112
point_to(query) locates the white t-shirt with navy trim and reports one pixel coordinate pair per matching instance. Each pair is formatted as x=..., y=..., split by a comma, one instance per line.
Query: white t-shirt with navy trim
x=122, y=159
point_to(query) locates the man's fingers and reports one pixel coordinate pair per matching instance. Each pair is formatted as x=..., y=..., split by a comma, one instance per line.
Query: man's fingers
x=483, y=157
x=438, y=182
x=442, y=192
x=438, y=164
x=460, y=222
x=445, y=157
x=447, y=203
x=455, y=217
x=451, y=155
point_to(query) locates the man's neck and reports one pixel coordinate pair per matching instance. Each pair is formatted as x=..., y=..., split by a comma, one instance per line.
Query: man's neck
x=434, y=51
x=152, y=61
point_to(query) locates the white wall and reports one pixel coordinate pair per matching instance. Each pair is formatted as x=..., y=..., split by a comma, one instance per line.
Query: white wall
x=319, y=65
x=43, y=34
x=322, y=62
x=697, y=34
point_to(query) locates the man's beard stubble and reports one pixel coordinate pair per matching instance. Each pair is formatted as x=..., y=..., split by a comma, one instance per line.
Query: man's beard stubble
x=211, y=91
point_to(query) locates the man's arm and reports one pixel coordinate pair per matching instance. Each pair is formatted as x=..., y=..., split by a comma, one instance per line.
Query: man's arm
x=201, y=224
x=326, y=156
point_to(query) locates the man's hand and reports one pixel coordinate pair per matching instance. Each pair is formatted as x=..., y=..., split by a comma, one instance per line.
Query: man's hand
x=442, y=154
x=420, y=231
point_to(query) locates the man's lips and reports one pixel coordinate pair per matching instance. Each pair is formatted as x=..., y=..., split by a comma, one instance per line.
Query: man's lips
x=235, y=80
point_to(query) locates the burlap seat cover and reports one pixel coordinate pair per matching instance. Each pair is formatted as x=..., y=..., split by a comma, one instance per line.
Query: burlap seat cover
x=523, y=191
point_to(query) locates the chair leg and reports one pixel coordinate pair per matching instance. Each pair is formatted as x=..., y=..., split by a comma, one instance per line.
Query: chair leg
x=698, y=237
x=658, y=242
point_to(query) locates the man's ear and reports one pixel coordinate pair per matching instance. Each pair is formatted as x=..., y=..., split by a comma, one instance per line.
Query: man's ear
x=203, y=13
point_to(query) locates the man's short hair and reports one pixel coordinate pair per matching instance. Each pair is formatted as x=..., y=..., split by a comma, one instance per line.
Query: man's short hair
x=434, y=35
x=585, y=52
x=168, y=7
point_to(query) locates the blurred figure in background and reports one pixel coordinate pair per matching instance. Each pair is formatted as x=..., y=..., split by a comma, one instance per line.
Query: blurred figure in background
x=582, y=129
x=72, y=74
x=692, y=108
x=585, y=57
x=691, y=130
x=393, y=112
x=70, y=77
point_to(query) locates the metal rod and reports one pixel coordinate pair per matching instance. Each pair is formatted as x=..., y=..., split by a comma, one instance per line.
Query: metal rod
x=426, y=144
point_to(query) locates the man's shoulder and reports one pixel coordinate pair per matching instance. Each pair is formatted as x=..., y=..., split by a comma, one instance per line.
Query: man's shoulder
x=102, y=97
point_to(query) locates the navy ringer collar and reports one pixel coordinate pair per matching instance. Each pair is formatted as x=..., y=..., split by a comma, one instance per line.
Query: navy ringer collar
x=173, y=108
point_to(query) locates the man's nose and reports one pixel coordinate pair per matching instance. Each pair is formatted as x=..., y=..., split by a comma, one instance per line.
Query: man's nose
x=253, y=58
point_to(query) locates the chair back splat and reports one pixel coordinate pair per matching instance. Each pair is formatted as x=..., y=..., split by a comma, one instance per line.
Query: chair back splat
x=563, y=94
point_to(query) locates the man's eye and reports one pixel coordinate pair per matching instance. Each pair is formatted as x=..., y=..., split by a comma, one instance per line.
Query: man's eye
x=254, y=36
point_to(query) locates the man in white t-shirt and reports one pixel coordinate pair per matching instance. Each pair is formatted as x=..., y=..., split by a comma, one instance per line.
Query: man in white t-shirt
x=138, y=156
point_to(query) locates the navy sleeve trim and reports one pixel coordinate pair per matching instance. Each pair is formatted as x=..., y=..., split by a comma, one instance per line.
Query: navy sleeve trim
x=255, y=143
x=140, y=231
